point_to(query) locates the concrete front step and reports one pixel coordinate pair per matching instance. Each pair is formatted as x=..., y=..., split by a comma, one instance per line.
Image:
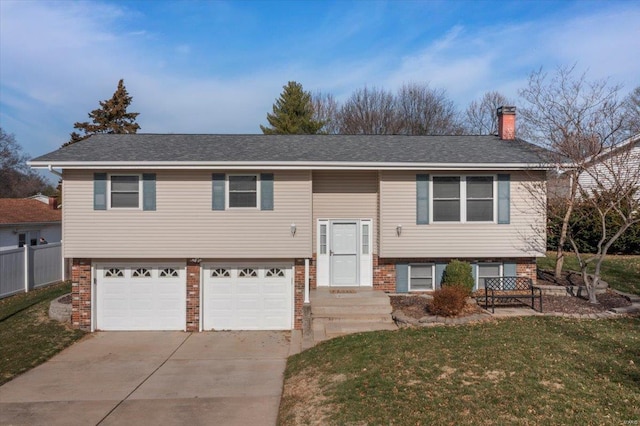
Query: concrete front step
x=351, y=301
x=366, y=318
x=337, y=312
x=342, y=311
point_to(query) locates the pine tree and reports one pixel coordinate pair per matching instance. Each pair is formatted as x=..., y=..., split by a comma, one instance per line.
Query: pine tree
x=111, y=117
x=292, y=113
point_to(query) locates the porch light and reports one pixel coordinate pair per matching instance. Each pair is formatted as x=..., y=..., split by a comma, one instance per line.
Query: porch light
x=293, y=229
x=399, y=230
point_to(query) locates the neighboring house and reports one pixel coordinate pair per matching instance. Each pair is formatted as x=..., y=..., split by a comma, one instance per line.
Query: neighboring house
x=201, y=232
x=24, y=221
x=617, y=167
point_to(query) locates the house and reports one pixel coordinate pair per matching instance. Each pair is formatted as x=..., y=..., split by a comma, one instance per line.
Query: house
x=617, y=167
x=202, y=232
x=23, y=221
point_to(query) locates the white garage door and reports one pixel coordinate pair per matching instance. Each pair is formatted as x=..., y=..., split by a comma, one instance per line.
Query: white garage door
x=140, y=297
x=247, y=298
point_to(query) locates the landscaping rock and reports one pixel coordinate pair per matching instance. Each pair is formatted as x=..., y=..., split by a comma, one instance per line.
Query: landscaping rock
x=60, y=308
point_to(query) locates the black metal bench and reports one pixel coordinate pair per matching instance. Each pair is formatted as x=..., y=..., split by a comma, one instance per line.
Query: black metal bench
x=511, y=289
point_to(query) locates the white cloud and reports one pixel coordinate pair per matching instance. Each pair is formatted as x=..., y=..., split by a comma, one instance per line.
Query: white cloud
x=59, y=59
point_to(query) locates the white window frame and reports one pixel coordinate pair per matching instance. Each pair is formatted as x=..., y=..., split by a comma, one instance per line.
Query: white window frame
x=139, y=176
x=501, y=271
x=433, y=276
x=227, y=190
x=463, y=199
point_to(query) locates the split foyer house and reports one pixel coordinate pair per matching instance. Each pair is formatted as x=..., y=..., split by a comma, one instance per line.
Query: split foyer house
x=217, y=232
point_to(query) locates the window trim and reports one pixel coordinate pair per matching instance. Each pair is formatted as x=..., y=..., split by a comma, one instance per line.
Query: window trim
x=464, y=199
x=477, y=277
x=140, y=190
x=227, y=190
x=433, y=273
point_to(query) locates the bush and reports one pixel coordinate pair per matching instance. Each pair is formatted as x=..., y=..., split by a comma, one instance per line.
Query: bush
x=585, y=223
x=448, y=301
x=458, y=274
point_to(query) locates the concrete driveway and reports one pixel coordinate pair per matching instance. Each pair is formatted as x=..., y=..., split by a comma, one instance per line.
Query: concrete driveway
x=155, y=378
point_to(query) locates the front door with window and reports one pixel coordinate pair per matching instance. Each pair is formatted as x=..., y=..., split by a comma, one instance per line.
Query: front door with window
x=344, y=253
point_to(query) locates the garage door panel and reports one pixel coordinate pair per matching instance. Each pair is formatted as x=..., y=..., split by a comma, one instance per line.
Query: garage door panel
x=247, y=298
x=141, y=298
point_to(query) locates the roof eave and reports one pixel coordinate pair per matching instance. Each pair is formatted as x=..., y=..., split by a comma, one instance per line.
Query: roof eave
x=52, y=222
x=283, y=165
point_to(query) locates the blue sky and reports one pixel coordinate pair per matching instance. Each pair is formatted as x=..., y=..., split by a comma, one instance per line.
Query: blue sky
x=218, y=66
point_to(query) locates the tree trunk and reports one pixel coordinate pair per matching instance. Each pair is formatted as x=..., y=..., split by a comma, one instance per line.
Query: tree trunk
x=565, y=228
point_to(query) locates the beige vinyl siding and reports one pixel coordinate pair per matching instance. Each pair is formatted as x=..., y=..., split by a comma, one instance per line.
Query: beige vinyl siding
x=524, y=236
x=184, y=225
x=346, y=195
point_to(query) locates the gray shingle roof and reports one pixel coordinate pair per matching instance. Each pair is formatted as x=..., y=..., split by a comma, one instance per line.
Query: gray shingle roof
x=296, y=148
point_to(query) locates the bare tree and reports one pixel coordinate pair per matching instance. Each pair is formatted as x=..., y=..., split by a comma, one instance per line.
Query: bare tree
x=18, y=180
x=575, y=119
x=369, y=112
x=426, y=111
x=325, y=110
x=609, y=190
x=632, y=112
x=480, y=117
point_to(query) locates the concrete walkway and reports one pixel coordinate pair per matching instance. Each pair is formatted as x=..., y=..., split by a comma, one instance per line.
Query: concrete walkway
x=155, y=378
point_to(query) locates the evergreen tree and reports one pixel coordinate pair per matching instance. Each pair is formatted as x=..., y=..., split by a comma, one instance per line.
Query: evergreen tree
x=111, y=117
x=293, y=113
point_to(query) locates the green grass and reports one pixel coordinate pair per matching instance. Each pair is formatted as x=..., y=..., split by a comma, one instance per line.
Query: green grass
x=526, y=371
x=27, y=336
x=621, y=272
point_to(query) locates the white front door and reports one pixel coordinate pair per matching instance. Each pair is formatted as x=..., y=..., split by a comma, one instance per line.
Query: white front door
x=344, y=253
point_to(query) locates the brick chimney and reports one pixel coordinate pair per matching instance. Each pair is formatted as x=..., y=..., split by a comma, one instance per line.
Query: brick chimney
x=507, y=122
x=53, y=203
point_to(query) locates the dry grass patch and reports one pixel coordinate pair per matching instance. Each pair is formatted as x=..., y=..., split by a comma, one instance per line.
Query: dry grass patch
x=524, y=371
x=27, y=335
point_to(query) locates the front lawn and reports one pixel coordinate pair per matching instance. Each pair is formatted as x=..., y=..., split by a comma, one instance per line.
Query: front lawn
x=528, y=371
x=27, y=336
x=621, y=272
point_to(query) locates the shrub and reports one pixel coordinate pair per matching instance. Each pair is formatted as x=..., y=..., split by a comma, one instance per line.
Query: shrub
x=458, y=274
x=448, y=301
x=586, y=225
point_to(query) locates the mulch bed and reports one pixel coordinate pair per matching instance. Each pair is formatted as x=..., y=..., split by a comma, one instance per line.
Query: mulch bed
x=65, y=299
x=418, y=306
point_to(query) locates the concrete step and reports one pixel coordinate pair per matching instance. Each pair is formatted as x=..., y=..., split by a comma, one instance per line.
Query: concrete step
x=341, y=311
x=385, y=318
x=325, y=293
x=350, y=301
x=335, y=329
x=633, y=309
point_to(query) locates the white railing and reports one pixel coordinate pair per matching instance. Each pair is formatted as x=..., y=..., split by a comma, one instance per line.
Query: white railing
x=29, y=267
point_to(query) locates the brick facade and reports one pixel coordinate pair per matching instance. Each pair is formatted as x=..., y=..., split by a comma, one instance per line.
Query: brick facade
x=193, y=296
x=81, y=294
x=384, y=269
x=298, y=292
x=384, y=279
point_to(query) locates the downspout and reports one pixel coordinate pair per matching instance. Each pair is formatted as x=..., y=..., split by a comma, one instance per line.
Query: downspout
x=55, y=172
x=306, y=280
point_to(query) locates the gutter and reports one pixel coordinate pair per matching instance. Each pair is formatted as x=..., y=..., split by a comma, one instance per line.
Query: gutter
x=280, y=165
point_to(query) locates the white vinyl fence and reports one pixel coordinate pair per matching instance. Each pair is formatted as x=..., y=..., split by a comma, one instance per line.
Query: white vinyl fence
x=29, y=267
